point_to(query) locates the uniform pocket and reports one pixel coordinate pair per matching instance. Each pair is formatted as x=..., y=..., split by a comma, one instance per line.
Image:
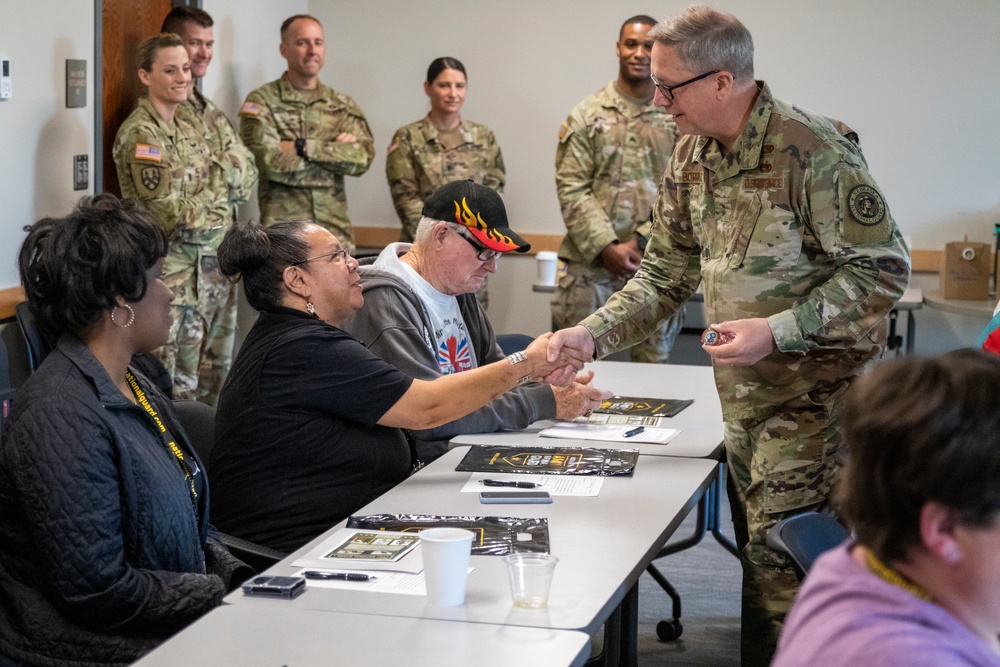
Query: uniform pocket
x=796, y=486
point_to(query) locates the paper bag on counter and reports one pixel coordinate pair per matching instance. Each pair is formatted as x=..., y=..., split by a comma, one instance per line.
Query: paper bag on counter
x=967, y=270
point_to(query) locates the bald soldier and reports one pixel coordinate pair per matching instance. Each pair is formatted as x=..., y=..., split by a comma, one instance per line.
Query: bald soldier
x=612, y=151
x=306, y=136
x=774, y=212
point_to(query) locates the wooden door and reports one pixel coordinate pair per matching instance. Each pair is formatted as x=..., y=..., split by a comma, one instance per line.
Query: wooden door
x=125, y=23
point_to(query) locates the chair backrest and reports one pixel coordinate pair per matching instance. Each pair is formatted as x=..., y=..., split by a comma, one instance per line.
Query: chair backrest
x=198, y=421
x=511, y=343
x=39, y=344
x=10, y=336
x=805, y=537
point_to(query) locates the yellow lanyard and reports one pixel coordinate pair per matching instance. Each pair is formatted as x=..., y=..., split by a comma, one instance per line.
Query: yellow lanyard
x=886, y=573
x=140, y=396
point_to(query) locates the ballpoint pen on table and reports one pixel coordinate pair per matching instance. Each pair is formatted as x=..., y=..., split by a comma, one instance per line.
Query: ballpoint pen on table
x=342, y=576
x=516, y=485
x=636, y=431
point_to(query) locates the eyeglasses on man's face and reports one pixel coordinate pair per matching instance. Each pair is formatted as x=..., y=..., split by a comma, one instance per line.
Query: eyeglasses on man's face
x=334, y=256
x=668, y=91
x=484, y=254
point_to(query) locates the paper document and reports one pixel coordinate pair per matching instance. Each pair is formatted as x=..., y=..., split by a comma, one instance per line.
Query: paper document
x=337, y=552
x=388, y=582
x=556, y=485
x=575, y=431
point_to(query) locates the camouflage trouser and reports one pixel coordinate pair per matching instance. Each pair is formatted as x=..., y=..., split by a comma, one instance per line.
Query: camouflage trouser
x=199, y=351
x=582, y=289
x=781, y=466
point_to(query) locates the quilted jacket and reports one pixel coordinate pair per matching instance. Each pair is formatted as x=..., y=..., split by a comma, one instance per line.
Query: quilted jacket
x=103, y=552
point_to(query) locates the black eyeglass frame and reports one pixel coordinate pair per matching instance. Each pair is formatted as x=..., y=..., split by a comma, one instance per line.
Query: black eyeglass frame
x=668, y=91
x=489, y=253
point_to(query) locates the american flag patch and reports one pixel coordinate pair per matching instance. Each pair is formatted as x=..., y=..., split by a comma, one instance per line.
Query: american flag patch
x=147, y=152
x=250, y=109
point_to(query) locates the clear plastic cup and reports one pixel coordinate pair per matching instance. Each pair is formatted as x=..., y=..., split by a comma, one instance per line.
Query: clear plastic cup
x=530, y=576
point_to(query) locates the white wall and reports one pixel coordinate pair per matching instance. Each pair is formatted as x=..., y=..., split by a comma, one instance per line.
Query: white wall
x=38, y=135
x=916, y=78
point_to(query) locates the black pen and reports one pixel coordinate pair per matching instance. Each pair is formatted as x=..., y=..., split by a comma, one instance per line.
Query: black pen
x=636, y=431
x=342, y=576
x=516, y=485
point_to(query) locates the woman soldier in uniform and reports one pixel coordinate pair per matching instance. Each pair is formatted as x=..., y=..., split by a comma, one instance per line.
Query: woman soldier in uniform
x=166, y=162
x=440, y=148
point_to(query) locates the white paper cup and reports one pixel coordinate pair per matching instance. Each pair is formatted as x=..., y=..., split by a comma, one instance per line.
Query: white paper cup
x=547, y=263
x=530, y=577
x=446, y=553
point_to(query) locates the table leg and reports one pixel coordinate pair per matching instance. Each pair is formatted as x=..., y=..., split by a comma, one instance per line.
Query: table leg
x=911, y=332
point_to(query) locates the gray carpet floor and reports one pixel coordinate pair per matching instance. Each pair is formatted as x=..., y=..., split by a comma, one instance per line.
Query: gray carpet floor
x=708, y=578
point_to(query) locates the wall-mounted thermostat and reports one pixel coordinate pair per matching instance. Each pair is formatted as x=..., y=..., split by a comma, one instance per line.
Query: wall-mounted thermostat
x=4, y=78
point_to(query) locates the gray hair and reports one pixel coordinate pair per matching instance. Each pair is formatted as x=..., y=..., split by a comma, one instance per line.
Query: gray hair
x=708, y=39
x=424, y=228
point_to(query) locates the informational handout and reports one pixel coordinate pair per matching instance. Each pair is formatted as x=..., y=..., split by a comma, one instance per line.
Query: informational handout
x=609, y=433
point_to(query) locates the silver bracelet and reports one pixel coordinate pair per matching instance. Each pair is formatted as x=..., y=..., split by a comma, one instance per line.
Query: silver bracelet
x=517, y=358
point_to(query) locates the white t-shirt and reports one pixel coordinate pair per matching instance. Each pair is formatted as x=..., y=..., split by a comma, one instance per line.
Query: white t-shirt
x=449, y=336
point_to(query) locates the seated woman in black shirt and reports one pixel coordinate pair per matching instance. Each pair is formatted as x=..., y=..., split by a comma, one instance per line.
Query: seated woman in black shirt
x=309, y=421
x=105, y=545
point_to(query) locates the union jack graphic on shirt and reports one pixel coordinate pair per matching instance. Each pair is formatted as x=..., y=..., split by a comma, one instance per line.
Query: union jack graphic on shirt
x=453, y=355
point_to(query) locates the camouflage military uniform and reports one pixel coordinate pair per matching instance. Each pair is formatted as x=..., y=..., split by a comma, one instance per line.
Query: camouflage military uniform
x=608, y=164
x=309, y=188
x=417, y=164
x=191, y=184
x=789, y=226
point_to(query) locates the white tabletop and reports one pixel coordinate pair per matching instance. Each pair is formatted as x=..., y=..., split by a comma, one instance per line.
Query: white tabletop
x=277, y=634
x=604, y=543
x=700, y=423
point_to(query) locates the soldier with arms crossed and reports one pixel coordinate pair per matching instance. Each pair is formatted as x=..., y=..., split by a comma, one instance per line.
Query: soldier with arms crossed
x=306, y=136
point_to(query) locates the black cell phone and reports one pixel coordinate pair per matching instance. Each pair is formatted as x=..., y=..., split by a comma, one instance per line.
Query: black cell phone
x=491, y=497
x=275, y=587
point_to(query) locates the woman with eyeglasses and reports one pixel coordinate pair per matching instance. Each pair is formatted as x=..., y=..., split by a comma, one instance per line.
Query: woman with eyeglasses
x=105, y=545
x=310, y=422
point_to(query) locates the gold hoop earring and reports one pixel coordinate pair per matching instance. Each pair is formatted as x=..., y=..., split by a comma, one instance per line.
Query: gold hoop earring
x=131, y=316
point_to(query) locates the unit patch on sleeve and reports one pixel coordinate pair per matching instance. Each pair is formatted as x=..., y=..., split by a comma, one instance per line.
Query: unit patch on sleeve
x=864, y=211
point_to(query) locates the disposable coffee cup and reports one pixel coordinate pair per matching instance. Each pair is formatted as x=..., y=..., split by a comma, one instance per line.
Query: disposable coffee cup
x=547, y=263
x=530, y=576
x=446, y=553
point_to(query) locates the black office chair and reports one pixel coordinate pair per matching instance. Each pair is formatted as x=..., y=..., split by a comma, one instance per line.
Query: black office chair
x=13, y=369
x=511, y=343
x=198, y=421
x=39, y=343
x=805, y=537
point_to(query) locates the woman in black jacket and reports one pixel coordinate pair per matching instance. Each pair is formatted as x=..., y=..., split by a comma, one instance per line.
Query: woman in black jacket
x=105, y=545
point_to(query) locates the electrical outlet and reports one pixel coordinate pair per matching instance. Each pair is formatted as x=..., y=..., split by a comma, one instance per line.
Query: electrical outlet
x=81, y=172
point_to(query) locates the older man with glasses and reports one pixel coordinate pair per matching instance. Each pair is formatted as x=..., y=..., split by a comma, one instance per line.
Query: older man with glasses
x=772, y=210
x=421, y=314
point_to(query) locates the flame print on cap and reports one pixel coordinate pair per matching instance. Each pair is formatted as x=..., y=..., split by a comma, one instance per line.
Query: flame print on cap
x=490, y=237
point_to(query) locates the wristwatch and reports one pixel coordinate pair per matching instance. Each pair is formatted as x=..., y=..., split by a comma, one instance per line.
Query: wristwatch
x=515, y=359
x=300, y=147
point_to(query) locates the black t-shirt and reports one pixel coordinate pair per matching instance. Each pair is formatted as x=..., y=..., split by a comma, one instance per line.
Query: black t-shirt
x=297, y=446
